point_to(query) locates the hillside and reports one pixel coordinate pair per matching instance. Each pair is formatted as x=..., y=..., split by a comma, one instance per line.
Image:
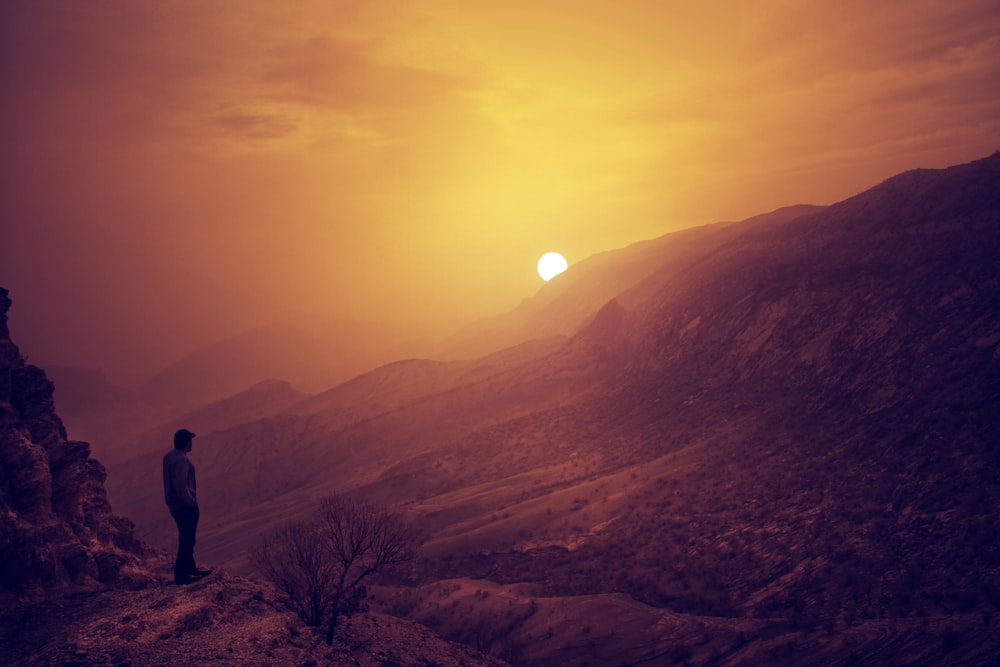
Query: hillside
x=78, y=589
x=563, y=305
x=114, y=419
x=91, y=406
x=310, y=361
x=798, y=425
x=352, y=433
x=222, y=620
x=791, y=420
x=264, y=399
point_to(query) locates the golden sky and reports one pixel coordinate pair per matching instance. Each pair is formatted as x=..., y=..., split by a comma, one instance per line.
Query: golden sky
x=178, y=170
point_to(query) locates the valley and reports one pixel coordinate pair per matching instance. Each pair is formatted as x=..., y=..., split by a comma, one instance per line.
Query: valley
x=761, y=442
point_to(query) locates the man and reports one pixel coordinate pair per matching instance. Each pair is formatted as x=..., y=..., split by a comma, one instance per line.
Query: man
x=179, y=489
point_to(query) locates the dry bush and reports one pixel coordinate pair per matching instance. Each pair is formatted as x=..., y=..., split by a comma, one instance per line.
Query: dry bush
x=320, y=564
x=295, y=558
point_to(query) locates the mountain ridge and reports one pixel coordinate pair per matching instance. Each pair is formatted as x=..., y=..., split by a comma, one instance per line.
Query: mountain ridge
x=787, y=427
x=778, y=409
x=563, y=368
x=78, y=588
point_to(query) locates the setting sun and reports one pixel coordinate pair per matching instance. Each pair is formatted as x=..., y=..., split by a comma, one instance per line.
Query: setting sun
x=305, y=230
x=551, y=265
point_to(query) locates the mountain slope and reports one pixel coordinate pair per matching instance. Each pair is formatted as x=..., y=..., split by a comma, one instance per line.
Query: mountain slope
x=222, y=620
x=89, y=404
x=564, y=304
x=77, y=588
x=113, y=418
x=803, y=425
x=263, y=400
x=794, y=422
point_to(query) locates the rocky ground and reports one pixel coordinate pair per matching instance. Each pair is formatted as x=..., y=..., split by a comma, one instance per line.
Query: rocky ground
x=221, y=620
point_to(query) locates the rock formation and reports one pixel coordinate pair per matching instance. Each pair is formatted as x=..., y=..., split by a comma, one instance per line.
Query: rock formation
x=56, y=525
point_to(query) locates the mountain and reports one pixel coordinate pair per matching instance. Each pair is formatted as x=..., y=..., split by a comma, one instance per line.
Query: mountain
x=78, y=588
x=113, y=418
x=774, y=444
x=566, y=302
x=795, y=425
x=376, y=420
x=264, y=399
x=128, y=483
x=91, y=406
x=310, y=361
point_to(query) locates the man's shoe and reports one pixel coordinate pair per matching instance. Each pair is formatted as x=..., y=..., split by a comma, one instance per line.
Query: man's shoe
x=183, y=579
x=200, y=573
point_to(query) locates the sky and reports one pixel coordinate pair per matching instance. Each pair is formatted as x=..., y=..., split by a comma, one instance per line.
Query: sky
x=179, y=171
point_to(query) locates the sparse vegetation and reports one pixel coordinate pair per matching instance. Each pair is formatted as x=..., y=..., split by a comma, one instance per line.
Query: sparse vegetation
x=817, y=456
x=319, y=564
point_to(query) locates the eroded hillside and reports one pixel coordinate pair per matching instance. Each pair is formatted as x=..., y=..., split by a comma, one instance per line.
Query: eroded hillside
x=792, y=423
x=78, y=589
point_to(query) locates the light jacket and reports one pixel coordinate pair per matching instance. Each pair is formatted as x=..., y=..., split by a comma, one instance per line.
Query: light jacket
x=179, y=487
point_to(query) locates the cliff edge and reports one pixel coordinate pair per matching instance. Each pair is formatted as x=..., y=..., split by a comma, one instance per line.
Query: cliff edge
x=56, y=525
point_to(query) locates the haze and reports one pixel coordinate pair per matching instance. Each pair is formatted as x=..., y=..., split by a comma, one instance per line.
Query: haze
x=177, y=172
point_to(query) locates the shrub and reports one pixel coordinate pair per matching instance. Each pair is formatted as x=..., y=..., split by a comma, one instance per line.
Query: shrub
x=320, y=563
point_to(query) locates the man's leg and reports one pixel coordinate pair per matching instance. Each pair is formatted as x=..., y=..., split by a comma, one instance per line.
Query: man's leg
x=192, y=527
x=187, y=526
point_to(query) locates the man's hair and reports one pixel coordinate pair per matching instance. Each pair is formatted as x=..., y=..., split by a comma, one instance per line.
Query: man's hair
x=182, y=438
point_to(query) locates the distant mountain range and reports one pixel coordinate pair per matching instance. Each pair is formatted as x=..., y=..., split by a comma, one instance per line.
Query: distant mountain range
x=77, y=588
x=764, y=442
x=562, y=305
x=787, y=425
x=112, y=418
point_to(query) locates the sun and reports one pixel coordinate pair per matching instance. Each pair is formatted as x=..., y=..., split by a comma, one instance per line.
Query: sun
x=551, y=265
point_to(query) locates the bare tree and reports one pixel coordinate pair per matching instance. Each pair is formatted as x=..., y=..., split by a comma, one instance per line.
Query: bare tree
x=320, y=564
x=364, y=539
x=296, y=560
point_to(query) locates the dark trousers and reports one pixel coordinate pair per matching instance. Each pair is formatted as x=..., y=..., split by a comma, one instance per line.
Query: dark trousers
x=187, y=525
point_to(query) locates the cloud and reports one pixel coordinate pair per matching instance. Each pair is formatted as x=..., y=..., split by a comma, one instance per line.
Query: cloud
x=256, y=126
x=362, y=154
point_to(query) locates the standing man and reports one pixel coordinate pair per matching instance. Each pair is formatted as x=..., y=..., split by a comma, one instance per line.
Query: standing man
x=179, y=489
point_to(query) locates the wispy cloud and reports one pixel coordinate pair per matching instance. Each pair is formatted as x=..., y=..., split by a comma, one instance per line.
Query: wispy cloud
x=435, y=147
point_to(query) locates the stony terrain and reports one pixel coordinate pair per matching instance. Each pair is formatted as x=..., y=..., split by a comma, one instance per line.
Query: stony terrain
x=220, y=620
x=526, y=628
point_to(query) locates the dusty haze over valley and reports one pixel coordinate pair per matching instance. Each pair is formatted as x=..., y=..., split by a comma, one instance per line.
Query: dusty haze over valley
x=753, y=423
x=180, y=173
x=763, y=442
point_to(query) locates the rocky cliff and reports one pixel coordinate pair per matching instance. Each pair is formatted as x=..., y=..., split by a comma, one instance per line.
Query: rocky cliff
x=56, y=525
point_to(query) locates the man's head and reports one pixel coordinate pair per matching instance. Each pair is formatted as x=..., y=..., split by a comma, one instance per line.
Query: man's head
x=182, y=439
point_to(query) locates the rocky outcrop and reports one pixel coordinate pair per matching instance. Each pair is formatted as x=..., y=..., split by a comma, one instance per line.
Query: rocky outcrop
x=56, y=525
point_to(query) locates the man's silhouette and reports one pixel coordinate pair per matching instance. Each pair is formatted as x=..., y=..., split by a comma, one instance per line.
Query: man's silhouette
x=179, y=490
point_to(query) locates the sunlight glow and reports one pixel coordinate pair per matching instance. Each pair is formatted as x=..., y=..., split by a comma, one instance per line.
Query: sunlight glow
x=551, y=265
